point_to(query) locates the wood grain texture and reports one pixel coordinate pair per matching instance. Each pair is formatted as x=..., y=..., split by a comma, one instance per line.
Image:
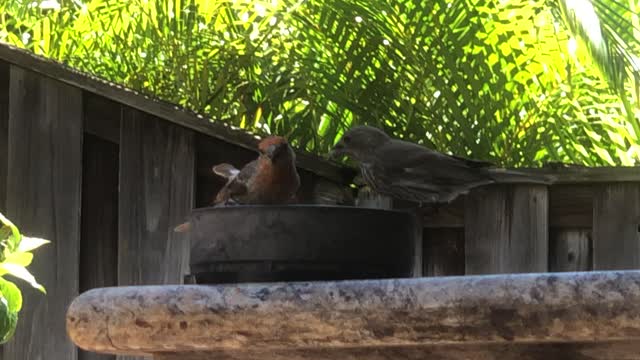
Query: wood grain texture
x=570, y=205
x=156, y=194
x=44, y=199
x=570, y=249
x=506, y=230
x=99, y=234
x=157, y=169
x=616, y=226
x=4, y=133
x=443, y=251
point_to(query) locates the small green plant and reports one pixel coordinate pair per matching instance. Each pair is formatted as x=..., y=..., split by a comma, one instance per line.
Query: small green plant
x=15, y=256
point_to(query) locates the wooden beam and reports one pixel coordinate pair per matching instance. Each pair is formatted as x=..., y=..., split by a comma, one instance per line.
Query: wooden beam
x=44, y=199
x=616, y=227
x=506, y=230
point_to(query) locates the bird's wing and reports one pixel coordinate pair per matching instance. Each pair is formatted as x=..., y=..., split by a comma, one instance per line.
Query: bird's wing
x=407, y=162
x=226, y=170
x=237, y=185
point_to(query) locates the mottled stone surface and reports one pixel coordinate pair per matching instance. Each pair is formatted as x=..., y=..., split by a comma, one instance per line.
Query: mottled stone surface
x=409, y=315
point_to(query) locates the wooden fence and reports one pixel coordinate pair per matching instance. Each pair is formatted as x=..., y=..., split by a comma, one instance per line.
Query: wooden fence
x=106, y=182
x=105, y=174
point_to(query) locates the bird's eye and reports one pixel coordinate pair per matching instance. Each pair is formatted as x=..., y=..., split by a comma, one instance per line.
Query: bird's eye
x=347, y=139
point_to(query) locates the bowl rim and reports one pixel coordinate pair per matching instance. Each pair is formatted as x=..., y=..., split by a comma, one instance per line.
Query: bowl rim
x=302, y=207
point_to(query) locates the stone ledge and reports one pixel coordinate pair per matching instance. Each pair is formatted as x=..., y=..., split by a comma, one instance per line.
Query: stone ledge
x=595, y=308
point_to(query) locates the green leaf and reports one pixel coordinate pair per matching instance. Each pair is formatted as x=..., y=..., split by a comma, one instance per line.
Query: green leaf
x=8, y=321
x=12, y=294
x=29, y=243
x=19, y=258
x=14, y=240
x=22, y=273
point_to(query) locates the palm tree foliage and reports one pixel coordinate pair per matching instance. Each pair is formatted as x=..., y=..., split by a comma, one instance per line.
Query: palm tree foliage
x=516, y=82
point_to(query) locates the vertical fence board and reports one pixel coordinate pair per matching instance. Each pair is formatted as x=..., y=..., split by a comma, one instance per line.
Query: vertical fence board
x=157, y=167
x=4, y=133
x=570, y=250
x=156, y=194
x=506, y=229
x=443, y=251
x=99, y=235
x=616, y=225
x=44, y=199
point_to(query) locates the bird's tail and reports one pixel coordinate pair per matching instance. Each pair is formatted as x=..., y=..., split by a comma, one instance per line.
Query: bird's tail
x=516, y=177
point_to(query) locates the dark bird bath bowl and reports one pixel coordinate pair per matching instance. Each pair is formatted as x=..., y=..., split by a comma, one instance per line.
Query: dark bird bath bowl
x=299, y=243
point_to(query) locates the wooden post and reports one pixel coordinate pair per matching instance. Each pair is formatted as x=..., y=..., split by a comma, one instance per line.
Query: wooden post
x=44, y=200
x=4, y=133
x=369, y=199
x=506, y=229
x=99, y=240
x=443, y=251
x=616, y=227
x=569, y=250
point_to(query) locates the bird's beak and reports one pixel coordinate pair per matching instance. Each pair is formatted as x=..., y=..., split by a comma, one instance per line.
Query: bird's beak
x=337, y=151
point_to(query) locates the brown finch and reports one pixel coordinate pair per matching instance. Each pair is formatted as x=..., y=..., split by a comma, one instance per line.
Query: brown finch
x=409, y=171
x=270, y=179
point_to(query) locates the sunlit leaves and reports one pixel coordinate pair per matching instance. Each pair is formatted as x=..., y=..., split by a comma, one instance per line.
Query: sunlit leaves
x=499, y=80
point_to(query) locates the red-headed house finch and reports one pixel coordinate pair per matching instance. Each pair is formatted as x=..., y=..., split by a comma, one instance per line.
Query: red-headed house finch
x=270, y=179
x=412, y=172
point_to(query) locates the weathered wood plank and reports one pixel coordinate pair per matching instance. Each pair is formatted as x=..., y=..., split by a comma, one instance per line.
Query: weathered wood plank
x=102, y=117
x=569, y=250
x=443, y=251
x=616, y=229
x=99, y=234
x=570, y=206
x=44, y=199
x=4, y=133
x=157, y=169
x=506, y=229
x=156, y=194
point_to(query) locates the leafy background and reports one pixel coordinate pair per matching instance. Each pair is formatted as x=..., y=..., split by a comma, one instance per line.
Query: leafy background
x=516, y=82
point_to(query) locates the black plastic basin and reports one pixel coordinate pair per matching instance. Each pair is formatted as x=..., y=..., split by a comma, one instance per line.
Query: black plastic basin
x=299, y=243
